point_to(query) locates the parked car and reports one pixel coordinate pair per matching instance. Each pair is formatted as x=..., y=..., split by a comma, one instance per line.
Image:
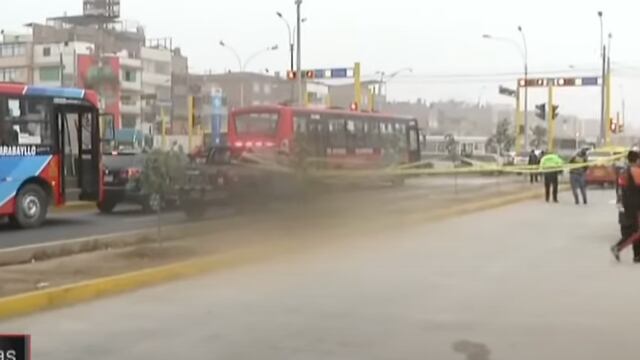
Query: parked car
x=605, y=173
x=122, y=183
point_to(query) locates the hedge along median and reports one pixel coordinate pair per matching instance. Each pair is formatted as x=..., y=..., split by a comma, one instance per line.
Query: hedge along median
x=258, y=243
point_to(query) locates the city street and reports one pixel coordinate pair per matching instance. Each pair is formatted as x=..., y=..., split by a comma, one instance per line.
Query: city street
x=65, y=226
x=79, y=224
x=529, y=281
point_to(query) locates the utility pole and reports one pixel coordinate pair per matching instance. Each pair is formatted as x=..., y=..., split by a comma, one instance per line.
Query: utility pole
x=607, y=82
x=299, y=51
x=526, y=88
x=603, y=54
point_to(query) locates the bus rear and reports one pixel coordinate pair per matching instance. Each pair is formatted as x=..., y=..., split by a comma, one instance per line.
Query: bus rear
x=260, y=129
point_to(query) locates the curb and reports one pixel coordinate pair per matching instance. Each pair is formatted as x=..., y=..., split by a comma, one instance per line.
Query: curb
x=28, y=303
x=74, y=207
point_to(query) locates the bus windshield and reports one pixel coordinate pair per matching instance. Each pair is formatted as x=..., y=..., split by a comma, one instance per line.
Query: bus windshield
x=257, y=123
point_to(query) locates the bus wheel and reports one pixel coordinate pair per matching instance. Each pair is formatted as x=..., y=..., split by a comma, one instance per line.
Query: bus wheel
x=31, y=207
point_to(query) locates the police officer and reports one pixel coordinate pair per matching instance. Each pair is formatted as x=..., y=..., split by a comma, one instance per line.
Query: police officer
x=551, y=165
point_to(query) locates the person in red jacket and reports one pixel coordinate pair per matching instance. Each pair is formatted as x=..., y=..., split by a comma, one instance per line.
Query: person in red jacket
x=629, y=183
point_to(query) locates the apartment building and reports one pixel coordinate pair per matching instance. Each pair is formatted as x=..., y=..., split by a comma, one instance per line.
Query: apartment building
x=15, y=57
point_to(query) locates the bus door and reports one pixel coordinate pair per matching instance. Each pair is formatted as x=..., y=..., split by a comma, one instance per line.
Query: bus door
x=79, y=147
x=317, y=138
x=414, y=142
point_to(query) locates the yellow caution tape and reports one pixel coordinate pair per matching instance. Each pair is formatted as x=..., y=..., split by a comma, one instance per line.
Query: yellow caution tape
x=325, y=169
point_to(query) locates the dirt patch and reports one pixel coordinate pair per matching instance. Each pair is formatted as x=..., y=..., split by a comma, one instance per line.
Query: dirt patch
x=312, y=223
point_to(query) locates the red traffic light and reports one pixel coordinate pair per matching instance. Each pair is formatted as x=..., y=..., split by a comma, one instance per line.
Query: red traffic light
x=354, y=106
x=291, y=75
x=310, y=74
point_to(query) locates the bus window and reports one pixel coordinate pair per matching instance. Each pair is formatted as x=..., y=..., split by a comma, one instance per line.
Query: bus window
x=262, y=123
x=300, y=124
x=337, y=134
x=25, y=122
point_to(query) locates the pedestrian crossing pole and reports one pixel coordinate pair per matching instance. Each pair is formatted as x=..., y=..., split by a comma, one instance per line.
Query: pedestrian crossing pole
x=551, y=121
x=357, y=86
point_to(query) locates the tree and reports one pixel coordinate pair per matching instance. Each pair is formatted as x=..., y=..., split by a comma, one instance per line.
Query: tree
x=503, y=140
x=539, y=140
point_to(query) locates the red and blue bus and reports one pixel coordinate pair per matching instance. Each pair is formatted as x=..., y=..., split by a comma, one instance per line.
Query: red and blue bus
x=49, y=150
x=342, y=138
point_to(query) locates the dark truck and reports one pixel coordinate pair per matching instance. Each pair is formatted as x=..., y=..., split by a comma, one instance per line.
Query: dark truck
x=225, y=176
x=122, y=178
x=122, y=182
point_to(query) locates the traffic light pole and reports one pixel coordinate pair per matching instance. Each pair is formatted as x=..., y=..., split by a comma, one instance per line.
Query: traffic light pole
x=357, y=87
x=520, y=141
x=551, y=127
x=299, y=51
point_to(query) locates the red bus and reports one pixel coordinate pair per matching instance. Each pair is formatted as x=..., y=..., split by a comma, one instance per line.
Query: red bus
x=49, y=150
x=344, y=139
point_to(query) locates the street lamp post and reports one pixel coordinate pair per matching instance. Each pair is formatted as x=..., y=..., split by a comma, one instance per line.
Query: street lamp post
x=242, y=66
x=524, y=52
x=384, y=79
x=526, y=88
x=235, y=53
x=603, y=55
x=290, y=34
x=256, y=54
x=299, y=50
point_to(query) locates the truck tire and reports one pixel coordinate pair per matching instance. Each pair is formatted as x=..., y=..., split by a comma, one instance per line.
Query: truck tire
x=32, y=205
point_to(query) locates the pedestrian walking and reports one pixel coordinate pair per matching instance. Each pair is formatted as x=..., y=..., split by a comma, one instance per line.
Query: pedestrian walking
x=578, y=176
x=629, y=197
x=551, y=166
x=534, y=160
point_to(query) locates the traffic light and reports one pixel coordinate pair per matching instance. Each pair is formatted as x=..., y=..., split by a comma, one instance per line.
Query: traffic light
x=310, y=74
x=541, y=111
x=555, y=111
x=354, y=106
x=292, y=75
x=613, y=126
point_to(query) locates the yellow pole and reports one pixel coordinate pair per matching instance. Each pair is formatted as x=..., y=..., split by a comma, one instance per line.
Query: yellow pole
x=163, y=129
x=551, y=131
x=520, y=145
x=357, y=85
x=306, y=98
x=607, y=107
x=372, y=106
x=191, y=120
x=327, y=100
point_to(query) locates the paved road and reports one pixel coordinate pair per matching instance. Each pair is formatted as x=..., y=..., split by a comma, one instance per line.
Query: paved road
x=81, y=224
x=128, y=218
x=531, y=281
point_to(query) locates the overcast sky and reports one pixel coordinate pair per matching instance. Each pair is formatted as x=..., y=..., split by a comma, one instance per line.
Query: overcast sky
x=441, y=40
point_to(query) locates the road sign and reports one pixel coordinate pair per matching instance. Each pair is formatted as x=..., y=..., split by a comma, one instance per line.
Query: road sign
x=502, y=90
x=590, y=81
x=560, y=82
x=336, y=73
